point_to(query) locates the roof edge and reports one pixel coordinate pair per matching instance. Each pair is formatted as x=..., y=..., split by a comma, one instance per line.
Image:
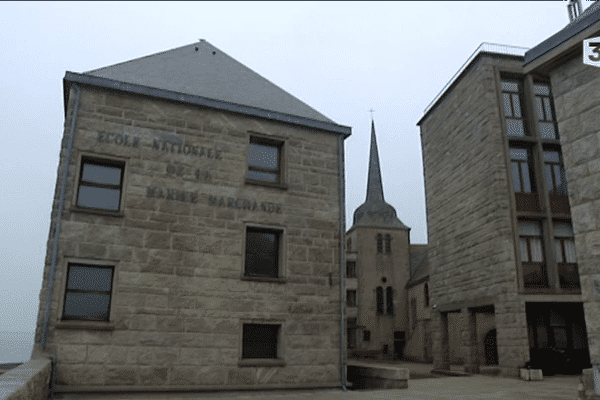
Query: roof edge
x=460, y=77
x=90, y=80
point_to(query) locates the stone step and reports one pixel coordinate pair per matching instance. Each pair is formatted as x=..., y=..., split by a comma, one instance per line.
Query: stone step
x=449, y=373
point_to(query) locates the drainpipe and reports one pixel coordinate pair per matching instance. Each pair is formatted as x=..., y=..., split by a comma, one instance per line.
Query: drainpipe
x=58, y=218
x=342, y=189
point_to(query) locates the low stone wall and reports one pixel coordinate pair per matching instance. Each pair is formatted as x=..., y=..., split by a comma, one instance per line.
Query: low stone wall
x=372, y=376
x=30, y=381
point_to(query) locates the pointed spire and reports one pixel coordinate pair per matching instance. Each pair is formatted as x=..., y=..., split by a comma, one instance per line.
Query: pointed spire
x=374, y=185
x=375, y=212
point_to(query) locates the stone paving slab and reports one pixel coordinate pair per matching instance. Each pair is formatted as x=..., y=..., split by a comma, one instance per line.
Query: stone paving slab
x=455, y=388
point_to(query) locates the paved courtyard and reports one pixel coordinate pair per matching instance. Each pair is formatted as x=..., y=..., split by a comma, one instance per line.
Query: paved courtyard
x=420, y=387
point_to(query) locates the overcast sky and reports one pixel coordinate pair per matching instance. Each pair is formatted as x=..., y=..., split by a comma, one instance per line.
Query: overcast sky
x=340, y=58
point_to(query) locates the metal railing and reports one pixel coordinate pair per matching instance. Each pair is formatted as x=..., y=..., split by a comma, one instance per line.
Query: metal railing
x=486, y=47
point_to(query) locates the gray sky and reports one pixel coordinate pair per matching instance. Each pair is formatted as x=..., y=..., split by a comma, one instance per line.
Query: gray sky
x=341, y=58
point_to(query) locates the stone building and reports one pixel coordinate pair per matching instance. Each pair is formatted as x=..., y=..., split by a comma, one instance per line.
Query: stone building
x=379, y=263
x=196, y=231
x=577, y=103
x=501, y=241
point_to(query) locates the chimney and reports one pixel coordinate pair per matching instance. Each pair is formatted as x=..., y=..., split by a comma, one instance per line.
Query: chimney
x=574, y=8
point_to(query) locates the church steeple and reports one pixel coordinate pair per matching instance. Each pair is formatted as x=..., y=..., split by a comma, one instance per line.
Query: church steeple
x=375, y=212
x=374, y=185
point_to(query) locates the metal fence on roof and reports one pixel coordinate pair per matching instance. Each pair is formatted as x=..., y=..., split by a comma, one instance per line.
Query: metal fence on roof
x=486, y=47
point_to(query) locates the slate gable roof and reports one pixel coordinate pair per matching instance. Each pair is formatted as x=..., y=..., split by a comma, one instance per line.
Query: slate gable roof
x=201, y=69
x=419, y=264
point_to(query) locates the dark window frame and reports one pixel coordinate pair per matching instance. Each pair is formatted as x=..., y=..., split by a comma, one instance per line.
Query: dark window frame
x=547, y=107
x=366, y=336
x=388, y=243
x=555, y=189
x=510, y=114
x=101, y=292
x=351, y=269
x=379, y=243
x=541, y=266
x=87, y=160
x=279, y=145
x=389, y=300
x=562, y=264
x=530, y=169
x=278, y=232
x=351, y=298
x=380, y=304
x=273, y=353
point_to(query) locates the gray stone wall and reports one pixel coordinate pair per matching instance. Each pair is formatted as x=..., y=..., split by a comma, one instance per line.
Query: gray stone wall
x=577, y=102
x=30, y=380
x=471, y=244
x=178, y=299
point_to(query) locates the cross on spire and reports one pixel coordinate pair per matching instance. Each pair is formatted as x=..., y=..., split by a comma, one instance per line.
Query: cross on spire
x=371, y=111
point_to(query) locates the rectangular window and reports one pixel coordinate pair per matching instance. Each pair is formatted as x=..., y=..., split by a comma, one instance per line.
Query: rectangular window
x=413, y=309
x=379, y=243
x=100, y=184
x=556, y=180
x=366, y=336
x=544, y=110
x=389, y=297
x=379, y=300
x=264, y=160
x=532, y=255
x=88, y=292
x=350, y=269
x=351, y=337
x=260, y=341
x=351, y=298
x=262, y=252
x=566, y=258
x=388, y=244
x=512, y=95
x=520, y=160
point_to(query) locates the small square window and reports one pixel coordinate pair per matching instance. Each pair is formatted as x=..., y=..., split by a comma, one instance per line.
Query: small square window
x=366, y=336
x=88, y=292
x=260, y=341
x=262, y=252
x=100, y=184
x=264, y=160
x=350, y=269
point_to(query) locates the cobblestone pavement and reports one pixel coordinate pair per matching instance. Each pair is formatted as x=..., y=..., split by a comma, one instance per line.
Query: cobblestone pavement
x=455, y=388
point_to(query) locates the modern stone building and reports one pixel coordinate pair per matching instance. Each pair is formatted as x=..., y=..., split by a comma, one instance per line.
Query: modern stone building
x=500, y=213
x=576, y=96
x=380, y=261
x=196, y=231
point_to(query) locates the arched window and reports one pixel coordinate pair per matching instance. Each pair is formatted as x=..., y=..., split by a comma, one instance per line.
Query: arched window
x=426, y=290
x=379, y=243
x=389, y=297
x=388, y=244
x=379, y=296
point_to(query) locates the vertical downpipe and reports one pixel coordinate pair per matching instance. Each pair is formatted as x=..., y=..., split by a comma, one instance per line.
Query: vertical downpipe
x=342, y=189
x=58, y=218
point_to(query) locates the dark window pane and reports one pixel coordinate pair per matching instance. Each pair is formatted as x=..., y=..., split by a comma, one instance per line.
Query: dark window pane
x=568, y=275
x=518, y=154
x=548, y=109
x=529, y=229
x=560, y=337
x=264, y=156
x=578, y=334
x=259, y=341
x=540, y=88
x=558, y=248
x=261, y=242
x=534, y=275
x=516, y=177
x=549, y=181
x=263, y=176
x=547, y=130
x=95, y=197
x=526, y=180
x=86, y=306
x=262, y=254
x=536, y=249
x=538, y=108
x=524, y=253
x=389, y=300
x=367, y=336
x=101, y=174
x=552, y=156
x=508, y=86
x=514, y=127
x=516, y=105
x=379, y=300
x=90, y=279
x=506, y=103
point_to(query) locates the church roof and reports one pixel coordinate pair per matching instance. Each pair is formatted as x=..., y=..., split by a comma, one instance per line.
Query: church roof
x=375, y=212
x=201, y=69
x=419, y=264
